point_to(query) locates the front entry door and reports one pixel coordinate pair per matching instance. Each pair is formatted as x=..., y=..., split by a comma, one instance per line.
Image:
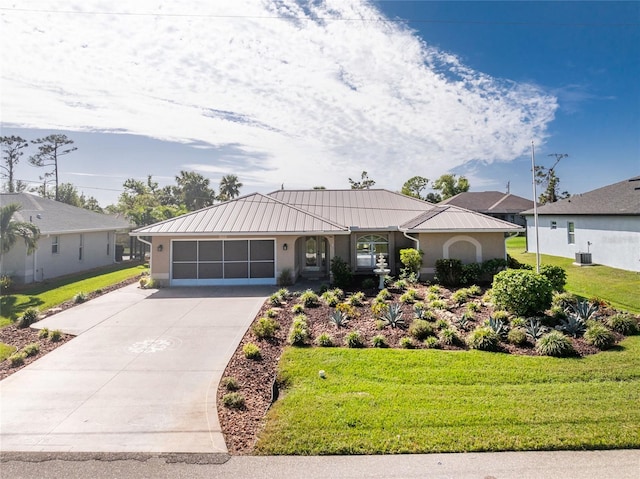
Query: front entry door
x=315, y=253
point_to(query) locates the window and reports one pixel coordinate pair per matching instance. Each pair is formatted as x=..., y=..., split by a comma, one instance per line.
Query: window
x=80, y=247
x=108, y=244
x=571, y=232
x=55, y=245
x=368, y=247
x=554, y=225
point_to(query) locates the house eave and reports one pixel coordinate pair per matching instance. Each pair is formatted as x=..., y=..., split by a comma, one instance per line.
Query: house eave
x=239, y=234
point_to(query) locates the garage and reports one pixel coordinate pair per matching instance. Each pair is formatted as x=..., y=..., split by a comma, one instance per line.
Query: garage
x=223, y=262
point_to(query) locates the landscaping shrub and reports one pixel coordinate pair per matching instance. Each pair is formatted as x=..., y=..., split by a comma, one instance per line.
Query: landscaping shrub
x=623, y=324
x=521, y=292
x=347, y=309
x=438, y=304
x=421, y=329
x=55, y=335
x=297, y=309
x=80, y=297
x=251, y=351
x=599, y=336
x=407, y=298
x=299, y=332
x=379, y=341
x=401, y=284
x=29, y=317
x=448, y=337
x=6, y=284
x=554, y=344
x=460, y=296
x=384, y=294
x=285, y=278
x=265, y=328
x=501, y=315
x=271, y=313
x=491, y=267
x=406, y=343
x=341, y=271
x=17, y=359
x=275, y=299
x=470, y=273
x=379, y=309
x=43, y=333
x=233, y=400
x=556, y=276
x=483, y=338
x=330, y=298
x=474, y=290
x=518, y=322
x=513, y=263
x=230, y=383
x=411, y=258
x=449, y=272
x=309, y=299
x=368, y=283
x=517, y=336
x=324, y=340
x=356, y=299
x=431, y=342
x=563, y=299
x=353, y=340
x=31, y=349
x=442, y=324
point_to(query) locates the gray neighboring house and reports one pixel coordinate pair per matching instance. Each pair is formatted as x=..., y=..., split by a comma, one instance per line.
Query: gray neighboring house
x=71, y=239
x=504, y=206
x=601, y=226
x=254, y=238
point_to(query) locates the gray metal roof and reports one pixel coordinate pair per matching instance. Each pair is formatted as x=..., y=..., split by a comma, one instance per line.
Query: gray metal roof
x=622, y=198
x=251, y=214
x=489, y=202
x=53, y=217
x=453, y=219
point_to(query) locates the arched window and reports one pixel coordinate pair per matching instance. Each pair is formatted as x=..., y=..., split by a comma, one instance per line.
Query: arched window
x=368, y=247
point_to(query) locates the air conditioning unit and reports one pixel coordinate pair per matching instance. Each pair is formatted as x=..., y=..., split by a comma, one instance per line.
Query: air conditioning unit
x=583, y=258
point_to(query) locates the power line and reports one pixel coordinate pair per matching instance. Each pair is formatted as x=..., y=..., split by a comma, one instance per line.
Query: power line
x=277, y=17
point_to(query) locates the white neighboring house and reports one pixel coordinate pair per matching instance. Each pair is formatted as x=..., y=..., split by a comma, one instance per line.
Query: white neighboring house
x=71, y=239
x=604, y=222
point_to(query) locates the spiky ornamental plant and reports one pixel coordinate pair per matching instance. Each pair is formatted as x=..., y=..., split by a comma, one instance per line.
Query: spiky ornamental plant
x=573, y=325
x=583, y=309
x=339, y=318
x=393, y=316
x=535, y=329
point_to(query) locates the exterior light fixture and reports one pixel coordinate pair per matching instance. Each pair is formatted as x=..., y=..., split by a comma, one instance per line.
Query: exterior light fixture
x=160, y=248
x=285, y=247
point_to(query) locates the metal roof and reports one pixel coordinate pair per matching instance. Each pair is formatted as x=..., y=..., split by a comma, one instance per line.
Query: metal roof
x=451, y=218
x=489, y=202
x=53, y=217
x=622, y=198
x=251, y=214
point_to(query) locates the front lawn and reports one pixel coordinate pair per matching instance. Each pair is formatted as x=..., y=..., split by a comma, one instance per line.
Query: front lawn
x=618, y=287
x=52, y=293
x=396, y=401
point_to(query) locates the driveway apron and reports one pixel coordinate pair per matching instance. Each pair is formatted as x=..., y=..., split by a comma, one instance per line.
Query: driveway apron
x=141, y=376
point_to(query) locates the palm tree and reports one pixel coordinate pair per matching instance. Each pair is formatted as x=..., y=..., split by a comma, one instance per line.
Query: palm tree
x=229, y=187
x=11, y=230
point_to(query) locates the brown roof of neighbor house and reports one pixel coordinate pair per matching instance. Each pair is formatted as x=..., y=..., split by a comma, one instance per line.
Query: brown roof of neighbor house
x=489, y=202
x=53, y=217
x=325, y=211
x=622, y=198
x=251, y=214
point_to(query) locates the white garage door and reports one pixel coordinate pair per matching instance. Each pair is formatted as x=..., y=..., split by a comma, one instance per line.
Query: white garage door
x=222, y=262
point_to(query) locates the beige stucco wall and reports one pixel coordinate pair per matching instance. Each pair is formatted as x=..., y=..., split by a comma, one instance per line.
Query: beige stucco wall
x=467, y=247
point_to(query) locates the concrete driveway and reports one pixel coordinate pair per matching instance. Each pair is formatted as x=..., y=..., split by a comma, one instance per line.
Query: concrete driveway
x=141, y=376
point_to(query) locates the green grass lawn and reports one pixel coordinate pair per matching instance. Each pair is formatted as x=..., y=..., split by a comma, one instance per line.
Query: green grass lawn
x=396, y=401
x=617, y=286
x=51, y=293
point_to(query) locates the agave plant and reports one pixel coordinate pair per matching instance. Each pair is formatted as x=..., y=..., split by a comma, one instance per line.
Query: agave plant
x=419, y=310
x=535, y=329
x=393, y=316
x=339, y=318
x=463, y=321
x=583, y=309
x=498, y=326
x=573, y=325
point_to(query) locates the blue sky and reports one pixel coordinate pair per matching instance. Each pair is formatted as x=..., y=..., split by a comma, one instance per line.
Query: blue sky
x=312, y=94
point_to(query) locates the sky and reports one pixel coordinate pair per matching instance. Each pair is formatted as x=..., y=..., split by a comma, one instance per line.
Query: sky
x=311, y=93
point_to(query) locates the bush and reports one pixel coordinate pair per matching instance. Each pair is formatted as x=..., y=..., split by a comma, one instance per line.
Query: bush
x=556, y=276
x=599, y=336
x=275, y=299
x=285, y=278
x=438, y=304
x=517, y=336
x=449, y=272
x=17, y=359
x=442, y=324
x=554, y=344
x=448, y=337
x=470, y=273
x=474, y=290
x=431, y=342
x=31, y=349
x=384, y=294
x=460, y=296
x=29, y=317
x=233, y=401
x=369, y=283
x=43, y=333
x=6, y=284
x=353, y=340
x=309, y=299
x=299, y=332
x=483, y=338
x=271, y=313
x=623, y=324
x=406, y=343
x=347, y=309
x=330, y=298
x=421, y=329
x=513, y=263
x=251, y=351
x=356, y=299
x=491, y=267
x=55, y=335
x=521, y=292
x=297, y=309
x=401, y=284
x=563, y=300
x=341, y=271
x=407, y=298
x=265, y=328
x=379, y=309
x=80, y=297
x=379, y=341
x=411, y=258
x=230, y=383
x=324, y=340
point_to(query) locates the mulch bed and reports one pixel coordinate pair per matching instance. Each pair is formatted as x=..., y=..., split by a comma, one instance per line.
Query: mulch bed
x=256, y=377
x=20, y=337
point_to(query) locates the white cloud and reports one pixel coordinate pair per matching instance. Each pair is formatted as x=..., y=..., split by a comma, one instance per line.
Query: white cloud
x=306, y=95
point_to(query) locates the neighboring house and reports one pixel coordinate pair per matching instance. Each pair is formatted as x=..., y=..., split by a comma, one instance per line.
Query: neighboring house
x=504, y=206
x=252, y=239
x=603, y=222
x=71, y=239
